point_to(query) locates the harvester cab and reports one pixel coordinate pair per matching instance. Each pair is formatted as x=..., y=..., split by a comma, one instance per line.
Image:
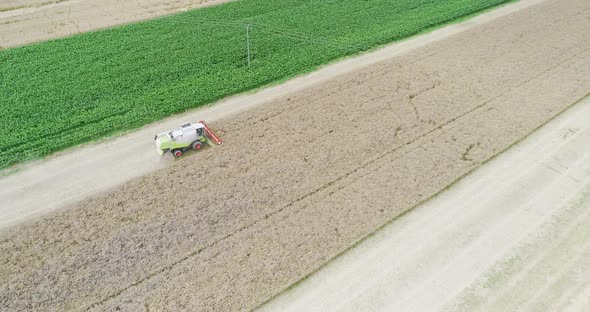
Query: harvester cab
x=186, y=137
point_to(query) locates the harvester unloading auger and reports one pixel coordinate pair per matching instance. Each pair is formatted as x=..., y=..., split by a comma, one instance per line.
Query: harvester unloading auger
x=187, y=136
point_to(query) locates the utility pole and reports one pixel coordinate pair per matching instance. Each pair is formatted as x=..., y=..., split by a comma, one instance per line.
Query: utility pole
x=248, y=42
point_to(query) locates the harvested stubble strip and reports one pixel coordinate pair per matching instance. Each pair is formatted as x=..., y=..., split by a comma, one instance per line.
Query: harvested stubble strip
x=299, y=181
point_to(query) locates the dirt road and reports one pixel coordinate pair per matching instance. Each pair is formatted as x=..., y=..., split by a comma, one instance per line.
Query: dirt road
x=512, y=236
x=39, y=188
x=26, y=21
x=303, y=179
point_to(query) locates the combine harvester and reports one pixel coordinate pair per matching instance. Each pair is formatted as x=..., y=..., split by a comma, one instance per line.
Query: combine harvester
x=187, y=136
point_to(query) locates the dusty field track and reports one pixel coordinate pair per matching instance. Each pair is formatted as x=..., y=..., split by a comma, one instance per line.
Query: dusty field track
x=27, y=21
x=302, y=180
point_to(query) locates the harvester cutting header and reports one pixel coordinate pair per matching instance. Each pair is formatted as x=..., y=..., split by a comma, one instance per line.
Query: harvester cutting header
x=188, y=136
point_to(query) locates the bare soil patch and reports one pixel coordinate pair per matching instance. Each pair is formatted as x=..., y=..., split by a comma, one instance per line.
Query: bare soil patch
x=28, y=21
x=299, y=181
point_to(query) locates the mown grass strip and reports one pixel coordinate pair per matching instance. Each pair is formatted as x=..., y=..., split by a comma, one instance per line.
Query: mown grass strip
x=65, y=92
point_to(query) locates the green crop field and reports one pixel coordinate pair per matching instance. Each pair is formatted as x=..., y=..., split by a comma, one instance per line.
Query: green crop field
x=65, y=92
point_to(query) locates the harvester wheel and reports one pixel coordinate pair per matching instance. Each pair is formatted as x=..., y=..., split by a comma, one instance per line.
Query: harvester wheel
x=177, y=153
x=197, y=145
